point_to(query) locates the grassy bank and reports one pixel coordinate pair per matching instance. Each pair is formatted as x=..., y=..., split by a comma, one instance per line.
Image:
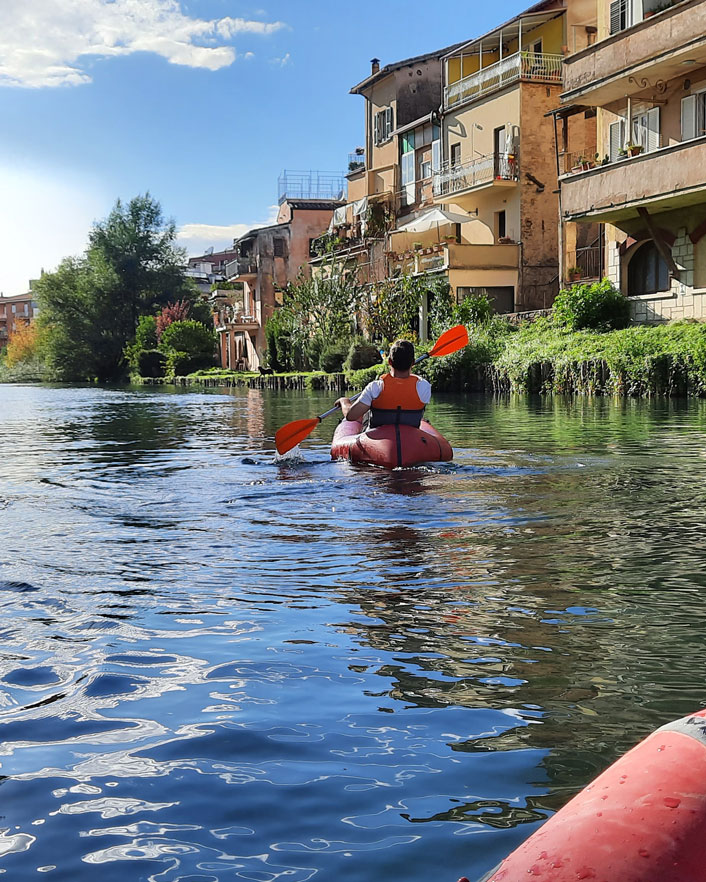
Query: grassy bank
x=543, y=357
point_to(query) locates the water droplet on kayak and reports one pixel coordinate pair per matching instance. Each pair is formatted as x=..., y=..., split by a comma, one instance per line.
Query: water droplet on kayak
x=643, y=852
x=672, y=802
x=586, y=873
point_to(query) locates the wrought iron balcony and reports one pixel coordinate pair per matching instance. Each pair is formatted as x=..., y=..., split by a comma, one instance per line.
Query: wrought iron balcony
x=520, y=66
x=478, y=172
x=243, y=266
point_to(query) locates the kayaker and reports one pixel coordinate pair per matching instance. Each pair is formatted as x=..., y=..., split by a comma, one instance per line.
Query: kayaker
x=398, y=397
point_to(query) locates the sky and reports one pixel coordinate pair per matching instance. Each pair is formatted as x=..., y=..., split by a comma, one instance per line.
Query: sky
x=201, y=103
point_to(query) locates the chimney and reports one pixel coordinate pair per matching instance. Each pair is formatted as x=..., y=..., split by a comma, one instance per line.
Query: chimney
x=375, y=62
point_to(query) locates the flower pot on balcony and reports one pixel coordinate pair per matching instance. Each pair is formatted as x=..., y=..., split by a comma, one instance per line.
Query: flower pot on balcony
x=505, y=240
x=635, y=149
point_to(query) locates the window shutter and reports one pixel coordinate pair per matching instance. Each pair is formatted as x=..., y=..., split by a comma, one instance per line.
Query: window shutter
x=688, y=118
x=388, y=123
x=435, y=156
x=376, y=136
x=615, y=16
x=652, y=130
x=617, y=138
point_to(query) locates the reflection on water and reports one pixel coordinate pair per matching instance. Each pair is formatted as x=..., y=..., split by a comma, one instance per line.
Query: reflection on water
x=217, y=666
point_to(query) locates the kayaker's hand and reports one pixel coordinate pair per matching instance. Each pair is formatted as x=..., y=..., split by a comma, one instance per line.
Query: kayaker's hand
x=339, y=402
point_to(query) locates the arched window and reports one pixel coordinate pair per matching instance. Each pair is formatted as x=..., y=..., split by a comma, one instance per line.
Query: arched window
x=647, y=272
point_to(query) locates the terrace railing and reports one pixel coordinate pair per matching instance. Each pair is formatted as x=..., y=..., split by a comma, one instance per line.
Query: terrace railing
x=484, y=170
x=520, y=66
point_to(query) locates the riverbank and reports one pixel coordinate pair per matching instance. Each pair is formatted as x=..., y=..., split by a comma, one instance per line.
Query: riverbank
x=639, y=361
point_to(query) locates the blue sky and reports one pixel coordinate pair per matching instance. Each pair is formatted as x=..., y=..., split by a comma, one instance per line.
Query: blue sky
x=201, y=102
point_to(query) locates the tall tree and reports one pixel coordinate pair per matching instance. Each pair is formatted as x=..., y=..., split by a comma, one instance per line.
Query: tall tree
x=91, y=305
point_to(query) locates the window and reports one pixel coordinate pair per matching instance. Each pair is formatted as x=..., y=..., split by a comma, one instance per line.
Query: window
x=278, y=247
x=693, y=116
x=647, y=272
x=383, y=126
x=456, y=154
x=14, y=309
x=425, y=169
x=620, y=15
x=645, y=129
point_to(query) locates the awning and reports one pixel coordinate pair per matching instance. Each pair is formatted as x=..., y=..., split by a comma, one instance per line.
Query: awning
x=435, y=217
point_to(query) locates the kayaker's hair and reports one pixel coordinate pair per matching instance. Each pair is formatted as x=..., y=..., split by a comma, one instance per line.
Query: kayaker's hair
x=402, y=355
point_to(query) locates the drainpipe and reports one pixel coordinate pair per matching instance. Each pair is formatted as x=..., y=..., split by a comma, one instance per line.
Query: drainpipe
x=561, y=222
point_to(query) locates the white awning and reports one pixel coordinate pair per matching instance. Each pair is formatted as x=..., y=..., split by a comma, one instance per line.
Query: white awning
x=435, y=217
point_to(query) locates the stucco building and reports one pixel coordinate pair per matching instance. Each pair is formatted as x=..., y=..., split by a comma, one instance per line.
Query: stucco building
x=266, y=260
x=16, y=312
x=644, y=80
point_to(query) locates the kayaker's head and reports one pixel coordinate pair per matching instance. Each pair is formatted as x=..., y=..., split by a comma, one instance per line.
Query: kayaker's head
x=401, y=356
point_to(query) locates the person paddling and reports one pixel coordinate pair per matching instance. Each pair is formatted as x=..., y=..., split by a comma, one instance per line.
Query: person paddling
x=397, y=398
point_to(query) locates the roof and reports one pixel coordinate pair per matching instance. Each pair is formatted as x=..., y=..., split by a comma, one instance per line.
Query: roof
x=254, y=232
x=550, y=7
x=397, y=65
x=14, y=298
x=314, y=204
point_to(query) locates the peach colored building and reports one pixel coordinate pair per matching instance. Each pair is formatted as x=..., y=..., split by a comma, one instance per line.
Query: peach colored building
x=267, y=260
x=643, y=78
x=16, y=312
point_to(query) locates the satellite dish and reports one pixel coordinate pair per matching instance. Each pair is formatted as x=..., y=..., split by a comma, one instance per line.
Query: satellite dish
x=209, y=250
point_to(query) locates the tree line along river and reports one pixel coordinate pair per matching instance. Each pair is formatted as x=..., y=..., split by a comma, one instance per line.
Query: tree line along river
x=220, y=666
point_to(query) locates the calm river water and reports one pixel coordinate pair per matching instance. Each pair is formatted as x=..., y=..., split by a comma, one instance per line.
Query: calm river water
x=215, y=666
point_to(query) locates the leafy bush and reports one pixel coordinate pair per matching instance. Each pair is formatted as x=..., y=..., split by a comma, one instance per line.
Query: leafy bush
x=146, y=333
x=473, y=310
x=191, y=337
x=594, y=306
x=332, y=357
x=362, y=354
x=151, y=363
x=360, y=379
x=179, y=364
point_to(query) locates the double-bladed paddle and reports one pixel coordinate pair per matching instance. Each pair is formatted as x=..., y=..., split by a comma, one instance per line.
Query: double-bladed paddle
x=294, y=433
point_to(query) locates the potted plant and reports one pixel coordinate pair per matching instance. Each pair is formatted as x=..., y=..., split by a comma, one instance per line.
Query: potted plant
x=622, y=153
x=417, y=246
x=505, y=240
x=634, y=149
x=574, y=273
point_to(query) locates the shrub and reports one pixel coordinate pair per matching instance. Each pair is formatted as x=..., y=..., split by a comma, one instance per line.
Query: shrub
x=361, y=355
x=151, y=363
x=595, y=306
x=172, y=312
x=332, y=357
x=473, y=310
x=360, y=379
x=190, y=337
x=179, y=364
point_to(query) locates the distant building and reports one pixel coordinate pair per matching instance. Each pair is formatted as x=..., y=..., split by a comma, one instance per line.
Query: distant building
x=17, y=312
x=266, y=260
x=208, y=269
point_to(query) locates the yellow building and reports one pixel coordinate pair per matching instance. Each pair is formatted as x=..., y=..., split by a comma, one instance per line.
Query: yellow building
x=643, y=77
x=498, y=167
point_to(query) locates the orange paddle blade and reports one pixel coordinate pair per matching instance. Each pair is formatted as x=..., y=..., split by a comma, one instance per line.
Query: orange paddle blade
x=294, y=433
x=450, y=341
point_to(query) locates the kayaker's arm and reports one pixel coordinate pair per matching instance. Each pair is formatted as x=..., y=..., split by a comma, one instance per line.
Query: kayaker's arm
x=351, y=411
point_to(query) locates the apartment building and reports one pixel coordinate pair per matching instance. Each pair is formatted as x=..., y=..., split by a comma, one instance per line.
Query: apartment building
x=498, y=167
x=16, y=312
x=389, y=182
x=266, y=260
x=643, y=77
x=208, y=269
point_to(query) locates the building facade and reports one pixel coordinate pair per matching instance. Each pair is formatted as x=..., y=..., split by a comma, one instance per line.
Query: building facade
x=16, y=312
x=266, y=260
x=643, y=79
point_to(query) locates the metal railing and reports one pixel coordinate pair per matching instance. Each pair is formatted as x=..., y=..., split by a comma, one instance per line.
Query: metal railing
x=464, y=176
x=311, y=185
x=588, y=261
x=240, y=267
x=520, y=66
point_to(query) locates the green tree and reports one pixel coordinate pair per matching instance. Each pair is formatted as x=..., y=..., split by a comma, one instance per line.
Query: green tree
x=91, y=305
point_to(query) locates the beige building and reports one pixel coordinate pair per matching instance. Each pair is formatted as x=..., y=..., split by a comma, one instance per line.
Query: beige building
x=266, y=260
x=498, y=167
x=644, y=79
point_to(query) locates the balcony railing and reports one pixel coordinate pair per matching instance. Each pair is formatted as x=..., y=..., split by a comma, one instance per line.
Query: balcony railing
x=484, y=170
x=520, y=66
x=240, y=267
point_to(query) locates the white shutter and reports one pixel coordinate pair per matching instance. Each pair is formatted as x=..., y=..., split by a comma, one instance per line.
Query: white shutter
x=617, y=138
x=389, y=125
x=435, y=156
x=407, y=173
x=652, y=130
x=688, y=118
x=376, y=134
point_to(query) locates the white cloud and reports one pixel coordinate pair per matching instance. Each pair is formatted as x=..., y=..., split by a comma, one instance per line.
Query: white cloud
x=43, y=220
x=196, y=238
x=283, y=61
x=50, y=42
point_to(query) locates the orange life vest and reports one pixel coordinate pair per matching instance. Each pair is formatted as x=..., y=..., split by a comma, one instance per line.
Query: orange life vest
x=398, y=403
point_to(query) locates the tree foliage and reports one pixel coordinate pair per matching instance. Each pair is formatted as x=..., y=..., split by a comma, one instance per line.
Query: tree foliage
x=23, y=345
x=594, y=306
x=92, y=304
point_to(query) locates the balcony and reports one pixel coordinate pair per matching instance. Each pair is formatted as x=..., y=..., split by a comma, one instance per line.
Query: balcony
x=662, y=180
x=636, y=57
x=447, y=256
x=496, y=169
x=242, y=267
x=520, y=66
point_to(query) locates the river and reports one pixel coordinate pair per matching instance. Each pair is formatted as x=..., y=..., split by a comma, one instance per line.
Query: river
x=216, y=666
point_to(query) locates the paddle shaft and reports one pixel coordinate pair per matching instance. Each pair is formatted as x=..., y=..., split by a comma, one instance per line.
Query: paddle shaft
x=357, y=396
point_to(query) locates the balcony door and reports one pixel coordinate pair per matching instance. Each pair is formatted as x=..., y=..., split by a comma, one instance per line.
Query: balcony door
x=645, y=129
